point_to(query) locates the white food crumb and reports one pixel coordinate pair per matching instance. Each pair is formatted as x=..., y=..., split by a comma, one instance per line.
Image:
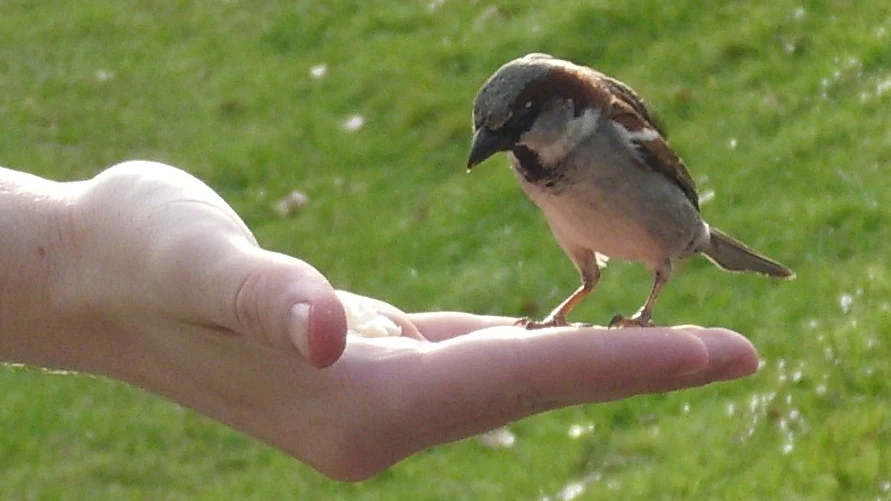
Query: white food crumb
x=364, y=320
x=499, y=438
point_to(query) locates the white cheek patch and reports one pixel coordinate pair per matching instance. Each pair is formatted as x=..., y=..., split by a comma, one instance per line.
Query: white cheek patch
x=574, y=132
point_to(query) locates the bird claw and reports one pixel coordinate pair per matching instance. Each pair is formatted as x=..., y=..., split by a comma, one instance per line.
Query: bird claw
x=530, y=324
x=621, y=322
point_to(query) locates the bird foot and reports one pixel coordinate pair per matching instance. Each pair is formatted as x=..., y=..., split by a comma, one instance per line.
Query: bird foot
x=621, y=322
x=530, y=324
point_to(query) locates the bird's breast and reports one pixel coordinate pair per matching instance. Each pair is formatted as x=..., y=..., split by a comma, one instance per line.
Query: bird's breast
x=616, y=208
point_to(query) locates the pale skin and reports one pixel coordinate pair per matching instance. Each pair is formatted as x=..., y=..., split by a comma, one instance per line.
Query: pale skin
x=145, y=275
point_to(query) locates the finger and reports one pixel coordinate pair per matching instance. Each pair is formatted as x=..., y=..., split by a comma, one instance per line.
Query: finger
x=570, y=365
x=198, y=262
x=489, y=378
x=271, y=298
x=209, y=271
x=731, y=356
x=288, y=304
x=442, y=325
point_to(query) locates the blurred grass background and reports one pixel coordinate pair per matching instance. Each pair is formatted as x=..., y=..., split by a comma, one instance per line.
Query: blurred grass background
x=780, y=109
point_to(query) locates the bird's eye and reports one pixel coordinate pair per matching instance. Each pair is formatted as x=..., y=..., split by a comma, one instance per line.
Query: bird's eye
x=527, y=110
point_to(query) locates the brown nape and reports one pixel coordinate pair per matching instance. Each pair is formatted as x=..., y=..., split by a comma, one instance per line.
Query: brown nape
x=563, y=83
x=630, y=97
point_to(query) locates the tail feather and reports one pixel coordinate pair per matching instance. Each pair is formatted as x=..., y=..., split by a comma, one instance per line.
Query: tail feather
x=731, y=254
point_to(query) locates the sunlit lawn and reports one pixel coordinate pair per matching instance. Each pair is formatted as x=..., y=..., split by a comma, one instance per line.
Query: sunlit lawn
x=782, y=110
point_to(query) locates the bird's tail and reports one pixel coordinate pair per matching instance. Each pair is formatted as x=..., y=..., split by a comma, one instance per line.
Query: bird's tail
x=731, y=254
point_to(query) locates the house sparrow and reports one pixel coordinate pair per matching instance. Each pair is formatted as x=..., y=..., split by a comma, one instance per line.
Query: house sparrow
x=586, y=150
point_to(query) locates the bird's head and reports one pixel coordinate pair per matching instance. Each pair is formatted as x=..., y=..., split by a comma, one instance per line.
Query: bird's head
x=536, y=101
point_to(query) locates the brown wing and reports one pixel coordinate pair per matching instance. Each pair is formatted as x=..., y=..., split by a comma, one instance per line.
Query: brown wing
x=589, y=87
x=651, y=147
x=627, y=94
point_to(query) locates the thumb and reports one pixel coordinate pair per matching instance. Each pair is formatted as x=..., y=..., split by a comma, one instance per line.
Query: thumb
x=174, y=244
x=286, y=303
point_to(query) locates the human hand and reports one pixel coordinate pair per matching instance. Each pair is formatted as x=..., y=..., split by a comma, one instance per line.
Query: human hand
x=396, y=397
x=154, y=252
x=388, y=398
x=155, y=281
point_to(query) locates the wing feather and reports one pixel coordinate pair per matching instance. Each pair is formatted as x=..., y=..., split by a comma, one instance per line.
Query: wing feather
x=651, y=147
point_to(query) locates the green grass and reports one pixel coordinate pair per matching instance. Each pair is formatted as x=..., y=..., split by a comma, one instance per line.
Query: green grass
x=783, y=109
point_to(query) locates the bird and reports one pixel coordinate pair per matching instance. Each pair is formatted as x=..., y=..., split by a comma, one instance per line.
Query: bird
x=588, y=151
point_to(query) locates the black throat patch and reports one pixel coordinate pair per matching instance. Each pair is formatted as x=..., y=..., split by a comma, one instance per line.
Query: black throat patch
x=530, y=167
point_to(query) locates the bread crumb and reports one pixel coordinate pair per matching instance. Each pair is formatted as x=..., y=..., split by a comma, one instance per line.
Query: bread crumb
x=364, y=320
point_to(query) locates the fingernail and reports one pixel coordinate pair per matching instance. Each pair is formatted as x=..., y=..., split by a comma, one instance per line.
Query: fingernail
x=694, y=362
x=730, y=355
x=298, y=327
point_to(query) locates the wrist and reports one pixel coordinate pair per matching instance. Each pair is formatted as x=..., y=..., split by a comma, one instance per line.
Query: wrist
x=35, y=256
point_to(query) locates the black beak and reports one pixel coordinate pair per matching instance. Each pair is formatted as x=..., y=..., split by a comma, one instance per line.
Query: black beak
x=485, y=144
